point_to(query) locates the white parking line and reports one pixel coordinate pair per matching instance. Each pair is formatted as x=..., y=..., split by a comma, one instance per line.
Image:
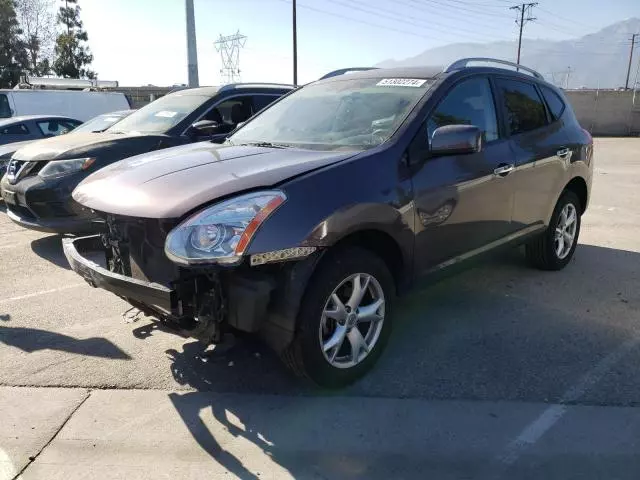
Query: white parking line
x=43, y=292
x=536, y=429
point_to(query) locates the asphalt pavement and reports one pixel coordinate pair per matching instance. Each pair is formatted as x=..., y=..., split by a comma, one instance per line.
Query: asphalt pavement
x=501, y=371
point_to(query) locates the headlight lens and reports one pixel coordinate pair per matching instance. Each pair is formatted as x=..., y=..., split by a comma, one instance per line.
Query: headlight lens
x=60, y=168
x=222, y=232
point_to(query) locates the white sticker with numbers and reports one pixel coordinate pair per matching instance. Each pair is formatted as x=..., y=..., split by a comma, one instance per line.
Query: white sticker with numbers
x=400, y=82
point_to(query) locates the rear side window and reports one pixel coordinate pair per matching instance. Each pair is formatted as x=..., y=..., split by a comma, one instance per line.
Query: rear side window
x=52, y=128
x=262, y=101
x=523, y=106
x=554, y=102
x=468, y=103
x=15, y=129
x=5, y=108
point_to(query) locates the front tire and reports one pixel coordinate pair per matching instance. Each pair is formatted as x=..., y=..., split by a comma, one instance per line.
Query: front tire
x=554, y=248
x=344, y=321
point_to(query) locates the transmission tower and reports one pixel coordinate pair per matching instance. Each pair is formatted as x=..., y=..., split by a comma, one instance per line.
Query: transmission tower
x=229, y=48
x=524, y=10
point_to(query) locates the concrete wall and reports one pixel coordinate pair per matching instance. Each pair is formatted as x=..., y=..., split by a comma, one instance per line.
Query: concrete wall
x=607, y=112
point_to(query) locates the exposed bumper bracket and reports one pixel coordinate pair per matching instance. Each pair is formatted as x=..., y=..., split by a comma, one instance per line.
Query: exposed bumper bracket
x=97, y=276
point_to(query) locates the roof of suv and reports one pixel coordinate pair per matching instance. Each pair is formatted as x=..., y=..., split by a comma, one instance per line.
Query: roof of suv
x=432, y=72
x=212, y=91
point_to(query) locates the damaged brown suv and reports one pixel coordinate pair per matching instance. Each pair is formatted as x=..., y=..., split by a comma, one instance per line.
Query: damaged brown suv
x=309, y=220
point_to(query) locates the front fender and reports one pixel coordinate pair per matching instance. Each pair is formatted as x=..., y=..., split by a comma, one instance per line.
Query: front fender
x=326, y=206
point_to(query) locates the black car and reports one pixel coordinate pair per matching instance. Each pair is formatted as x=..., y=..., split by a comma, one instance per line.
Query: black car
x=40, y=177
x=97, y=124
x=312, y=217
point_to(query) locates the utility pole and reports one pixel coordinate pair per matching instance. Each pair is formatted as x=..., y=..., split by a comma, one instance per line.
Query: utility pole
x=192, y=52
x=295, y=46
x=633, y=42
x=524, y=9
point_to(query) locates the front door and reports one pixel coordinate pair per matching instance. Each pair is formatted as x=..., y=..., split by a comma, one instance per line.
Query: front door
x=462, y=202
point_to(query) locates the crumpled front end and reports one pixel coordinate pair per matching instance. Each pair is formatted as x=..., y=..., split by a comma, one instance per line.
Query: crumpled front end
x=204, y=302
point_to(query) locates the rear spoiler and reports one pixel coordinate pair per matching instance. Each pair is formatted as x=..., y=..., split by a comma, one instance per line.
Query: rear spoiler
x=342, y=71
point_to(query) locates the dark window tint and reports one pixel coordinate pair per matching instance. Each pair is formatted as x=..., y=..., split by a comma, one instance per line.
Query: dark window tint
x=15, y=129
x=52, y=128
x=468, y=103
x=230, y=112
x=5, y=108
x=523, y=107
x=262, y=101
x=554, y=102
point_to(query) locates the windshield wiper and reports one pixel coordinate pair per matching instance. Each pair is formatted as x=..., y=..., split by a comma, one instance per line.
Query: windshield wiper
x=264, y=144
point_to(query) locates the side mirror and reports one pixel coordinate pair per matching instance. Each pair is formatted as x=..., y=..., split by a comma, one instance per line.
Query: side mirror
x=205, y=127
x=456, y=140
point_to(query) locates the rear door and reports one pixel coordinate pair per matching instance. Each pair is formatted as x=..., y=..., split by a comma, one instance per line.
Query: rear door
x=15, y=132
x=539, y=145
x=461, y=203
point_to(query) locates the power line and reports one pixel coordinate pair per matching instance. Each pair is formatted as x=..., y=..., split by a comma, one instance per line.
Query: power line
x=390, y=15
x=454, y=16
x=442, y=3
x=364, y=22
x=525, y=8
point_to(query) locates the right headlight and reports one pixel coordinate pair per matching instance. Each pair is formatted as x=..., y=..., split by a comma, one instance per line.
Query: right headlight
x=60, y=168
x=221, y=233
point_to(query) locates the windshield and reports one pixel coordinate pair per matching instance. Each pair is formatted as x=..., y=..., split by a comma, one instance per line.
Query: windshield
x=347, y=114
x=160, y=115
x=101, y=122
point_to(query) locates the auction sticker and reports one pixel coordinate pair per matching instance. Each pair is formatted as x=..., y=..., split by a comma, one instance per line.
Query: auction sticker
x=400, y=82
x=166, y=114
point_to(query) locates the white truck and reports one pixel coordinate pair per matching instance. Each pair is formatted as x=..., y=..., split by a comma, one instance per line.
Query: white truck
x=58, y=97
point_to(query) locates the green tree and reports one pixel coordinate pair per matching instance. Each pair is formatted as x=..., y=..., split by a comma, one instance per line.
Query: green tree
x=72, y=53
x=14, y=60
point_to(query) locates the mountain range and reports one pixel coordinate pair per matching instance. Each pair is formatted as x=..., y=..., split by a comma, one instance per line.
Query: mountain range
x=595, y=60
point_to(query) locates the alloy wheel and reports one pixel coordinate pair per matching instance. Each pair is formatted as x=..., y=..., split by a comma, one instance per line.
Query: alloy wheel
x=352, y=320
x=565, y=234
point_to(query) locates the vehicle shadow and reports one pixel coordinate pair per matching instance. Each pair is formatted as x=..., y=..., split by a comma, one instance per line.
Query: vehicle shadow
x=31, y=339
x=50, y=249
x=5, y=317
x=498, y=331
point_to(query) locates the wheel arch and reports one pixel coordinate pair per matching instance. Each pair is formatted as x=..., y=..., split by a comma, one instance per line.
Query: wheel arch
x=578, y=185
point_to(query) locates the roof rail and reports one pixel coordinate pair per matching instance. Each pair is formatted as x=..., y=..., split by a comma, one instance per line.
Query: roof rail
x=342, y=71
x=231, y=86
x=464, y=62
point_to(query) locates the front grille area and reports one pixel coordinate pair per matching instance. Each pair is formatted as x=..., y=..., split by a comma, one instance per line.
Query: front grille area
x=19, y=169
x=143, y=242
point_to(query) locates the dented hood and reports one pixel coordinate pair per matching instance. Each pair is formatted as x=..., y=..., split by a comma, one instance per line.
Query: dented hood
x=171, y=182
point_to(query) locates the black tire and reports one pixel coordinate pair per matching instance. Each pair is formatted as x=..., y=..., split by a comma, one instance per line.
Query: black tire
x=540, y=251
x=304, y=356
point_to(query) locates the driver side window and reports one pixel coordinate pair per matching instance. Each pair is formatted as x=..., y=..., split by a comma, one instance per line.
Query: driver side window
x=469, y=103
x=229, y=113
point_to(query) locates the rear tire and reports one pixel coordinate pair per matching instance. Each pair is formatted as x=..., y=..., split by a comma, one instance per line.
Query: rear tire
x=310, y=354
x=549, y=251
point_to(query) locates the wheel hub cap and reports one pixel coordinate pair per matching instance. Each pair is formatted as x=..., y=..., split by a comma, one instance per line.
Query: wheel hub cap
x=566, y=231
x=352, y=320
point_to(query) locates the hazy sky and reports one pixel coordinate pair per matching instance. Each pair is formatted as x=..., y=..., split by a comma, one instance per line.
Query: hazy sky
x=138, y=42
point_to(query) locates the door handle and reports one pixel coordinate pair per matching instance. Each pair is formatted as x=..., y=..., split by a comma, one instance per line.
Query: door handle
x=563, y=153
x=503, y=170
